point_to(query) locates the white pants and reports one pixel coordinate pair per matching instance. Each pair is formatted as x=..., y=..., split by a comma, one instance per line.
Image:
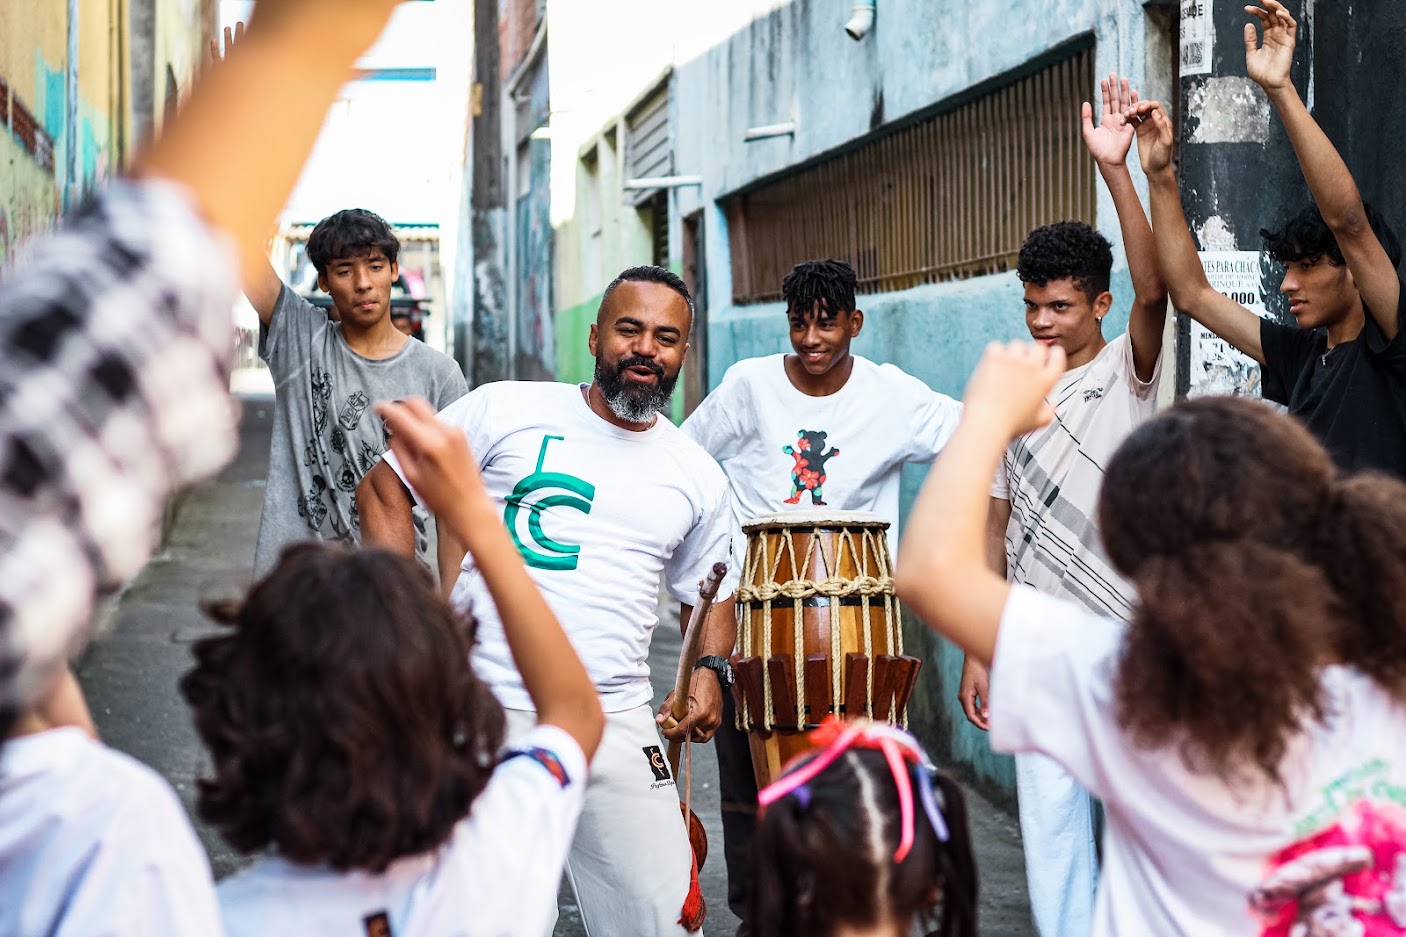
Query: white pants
x=629, y=863
x=1061, y=861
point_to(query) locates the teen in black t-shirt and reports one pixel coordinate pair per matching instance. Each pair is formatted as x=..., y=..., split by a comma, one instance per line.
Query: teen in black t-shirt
x=1343, y=370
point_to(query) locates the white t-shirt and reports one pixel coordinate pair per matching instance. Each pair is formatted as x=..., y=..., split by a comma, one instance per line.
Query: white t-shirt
x=848, y=447
x=599, y=514
x=1183, y=853
x=95, y=842
x=1052, y=479
x=496, y=876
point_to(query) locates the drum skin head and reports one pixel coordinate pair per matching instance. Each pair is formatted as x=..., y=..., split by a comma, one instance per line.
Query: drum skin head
x=816, y=518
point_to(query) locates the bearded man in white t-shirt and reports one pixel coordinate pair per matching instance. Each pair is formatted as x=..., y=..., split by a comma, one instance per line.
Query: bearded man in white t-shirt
x=1042, y=527
x=819, y=427
x=602, y=497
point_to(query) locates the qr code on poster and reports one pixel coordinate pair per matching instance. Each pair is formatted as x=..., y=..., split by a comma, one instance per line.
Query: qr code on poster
x=1193, y=54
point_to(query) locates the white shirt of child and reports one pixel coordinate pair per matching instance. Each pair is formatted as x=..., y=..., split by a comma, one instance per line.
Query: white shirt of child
x=95, y=842
x=1184, y=853
x=783, y=448
x=497, y=876
x=1052, y=479
x=599, y=513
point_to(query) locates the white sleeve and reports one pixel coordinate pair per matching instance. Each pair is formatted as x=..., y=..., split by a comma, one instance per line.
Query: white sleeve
x=471, y=413
x=720, y=423
x=148, y=875
x=1001, y=482
x=1143, y=390
x=933, y=418
x=523, y=824
x=1052, y=686
x=709, y=542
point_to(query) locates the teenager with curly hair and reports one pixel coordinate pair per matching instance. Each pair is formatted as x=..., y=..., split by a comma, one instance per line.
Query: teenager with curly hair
x=863, y=836
x=351, y=737
x=1342, y=366
x=1243, y=727
x=1041, y=530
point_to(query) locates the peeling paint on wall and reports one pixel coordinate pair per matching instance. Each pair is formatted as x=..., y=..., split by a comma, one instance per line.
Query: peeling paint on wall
x=1228, y=110
x=1216, y=235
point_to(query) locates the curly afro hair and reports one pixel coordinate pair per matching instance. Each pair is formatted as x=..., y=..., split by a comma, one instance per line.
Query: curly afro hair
x=1067, y=250
x=343, y=719
x=1306, y=235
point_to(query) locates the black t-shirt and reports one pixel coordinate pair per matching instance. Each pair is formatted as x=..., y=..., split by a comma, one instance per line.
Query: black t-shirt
x=1352, y=397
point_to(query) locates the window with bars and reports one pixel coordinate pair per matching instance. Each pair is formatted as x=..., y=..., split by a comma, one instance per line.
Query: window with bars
x=951, y=195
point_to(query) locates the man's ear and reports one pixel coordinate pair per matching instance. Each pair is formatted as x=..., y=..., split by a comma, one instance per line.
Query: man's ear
x=856, y=322
x=593, y=340
x=322, y=282
x=1102, y=303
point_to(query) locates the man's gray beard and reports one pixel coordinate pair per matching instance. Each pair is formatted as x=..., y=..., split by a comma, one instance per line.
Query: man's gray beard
x=635, y=407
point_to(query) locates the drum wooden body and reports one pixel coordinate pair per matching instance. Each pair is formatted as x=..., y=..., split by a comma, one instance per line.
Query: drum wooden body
x=818, y=631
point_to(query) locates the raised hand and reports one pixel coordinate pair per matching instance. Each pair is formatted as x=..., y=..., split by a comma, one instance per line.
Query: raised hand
x=434, y=456
x=231, y=37
x=1007, y=390
x=1155, y=136
x=1268, y=64
x=1108, y=142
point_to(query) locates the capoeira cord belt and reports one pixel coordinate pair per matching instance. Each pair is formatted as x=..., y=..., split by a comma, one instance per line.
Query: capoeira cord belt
x=765, y=589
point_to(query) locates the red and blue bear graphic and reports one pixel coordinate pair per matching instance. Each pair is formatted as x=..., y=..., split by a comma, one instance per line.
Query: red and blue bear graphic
x=808, y=472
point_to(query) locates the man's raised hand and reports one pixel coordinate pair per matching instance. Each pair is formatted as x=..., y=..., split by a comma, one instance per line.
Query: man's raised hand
x=1110, y=139
x=1268, y=64
x=1155, y=136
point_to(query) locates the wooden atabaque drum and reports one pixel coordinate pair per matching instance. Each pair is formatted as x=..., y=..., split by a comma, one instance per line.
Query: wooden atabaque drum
x=818, y=631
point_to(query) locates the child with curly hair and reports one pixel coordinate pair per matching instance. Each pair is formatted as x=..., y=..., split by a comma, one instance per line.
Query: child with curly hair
x=1243, y=728
x=863, y=836
x=351, y=737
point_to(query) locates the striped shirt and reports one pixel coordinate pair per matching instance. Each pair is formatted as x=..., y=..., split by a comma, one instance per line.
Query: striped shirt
x=1052, y=478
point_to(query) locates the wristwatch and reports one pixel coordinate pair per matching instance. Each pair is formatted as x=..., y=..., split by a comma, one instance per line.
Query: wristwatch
x=720, y=666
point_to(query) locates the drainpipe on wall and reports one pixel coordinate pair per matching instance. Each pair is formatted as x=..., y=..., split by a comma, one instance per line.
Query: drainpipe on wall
x=70, y=130
x=861, y=19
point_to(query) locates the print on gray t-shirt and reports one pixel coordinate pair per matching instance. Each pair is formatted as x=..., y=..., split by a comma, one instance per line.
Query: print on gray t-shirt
x=325, y=434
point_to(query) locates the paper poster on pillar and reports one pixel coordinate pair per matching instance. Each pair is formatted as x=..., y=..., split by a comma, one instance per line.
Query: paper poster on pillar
x=1217, y=369
x=1198, y=37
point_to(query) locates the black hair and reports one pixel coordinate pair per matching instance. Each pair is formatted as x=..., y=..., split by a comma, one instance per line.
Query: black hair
x=647, y=274
x=829, y=283
x=352, y=232
x=344, y=722
x=820, y=863
x=1067, y=250
x=1306, y=235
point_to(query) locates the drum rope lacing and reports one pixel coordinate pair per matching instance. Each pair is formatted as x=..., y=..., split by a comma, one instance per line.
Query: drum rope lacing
x=833, y=586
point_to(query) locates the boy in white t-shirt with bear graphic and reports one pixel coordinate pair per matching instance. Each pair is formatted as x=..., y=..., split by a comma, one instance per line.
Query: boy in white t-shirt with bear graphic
x=821, y=427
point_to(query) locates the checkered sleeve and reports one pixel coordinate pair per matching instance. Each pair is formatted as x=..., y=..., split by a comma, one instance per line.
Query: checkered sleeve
x=115, y=340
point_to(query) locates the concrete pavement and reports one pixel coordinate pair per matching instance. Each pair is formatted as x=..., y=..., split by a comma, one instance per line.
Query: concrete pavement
x=131, y=671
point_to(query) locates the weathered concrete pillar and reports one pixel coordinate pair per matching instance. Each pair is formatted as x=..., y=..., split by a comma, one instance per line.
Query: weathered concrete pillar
x=1238, y=175
x=487, y=352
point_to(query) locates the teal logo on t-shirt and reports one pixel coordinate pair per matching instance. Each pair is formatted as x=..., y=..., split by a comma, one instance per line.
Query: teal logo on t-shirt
x=576, y=493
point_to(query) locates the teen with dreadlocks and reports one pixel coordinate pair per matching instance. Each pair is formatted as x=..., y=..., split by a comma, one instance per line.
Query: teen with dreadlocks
x=819, y=427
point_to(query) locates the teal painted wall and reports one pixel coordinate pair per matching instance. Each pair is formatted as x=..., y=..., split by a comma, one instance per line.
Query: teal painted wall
x=936, y=333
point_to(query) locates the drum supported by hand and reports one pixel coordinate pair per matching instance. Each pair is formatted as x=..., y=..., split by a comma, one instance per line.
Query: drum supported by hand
x=818, y=631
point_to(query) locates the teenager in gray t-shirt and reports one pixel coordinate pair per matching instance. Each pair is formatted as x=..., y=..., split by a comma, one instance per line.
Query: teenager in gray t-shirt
x=326, y=376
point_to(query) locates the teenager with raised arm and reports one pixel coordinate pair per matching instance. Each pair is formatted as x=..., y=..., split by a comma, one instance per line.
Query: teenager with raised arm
x=1343, y=368
x=114, y=391
x=351, y=738
x=1041, y=528
x=1243, y=727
